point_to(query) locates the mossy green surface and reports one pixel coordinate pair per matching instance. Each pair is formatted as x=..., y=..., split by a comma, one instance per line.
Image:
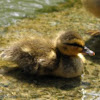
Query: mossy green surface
x=16, y=85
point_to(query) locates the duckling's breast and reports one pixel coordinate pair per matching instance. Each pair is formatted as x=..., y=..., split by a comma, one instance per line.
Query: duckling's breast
x=69, y=67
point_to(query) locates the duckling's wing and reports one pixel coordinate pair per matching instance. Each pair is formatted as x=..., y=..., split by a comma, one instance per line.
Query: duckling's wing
x=31, y=55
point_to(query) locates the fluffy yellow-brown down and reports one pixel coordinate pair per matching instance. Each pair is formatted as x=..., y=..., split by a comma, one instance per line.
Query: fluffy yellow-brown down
x=42, y=57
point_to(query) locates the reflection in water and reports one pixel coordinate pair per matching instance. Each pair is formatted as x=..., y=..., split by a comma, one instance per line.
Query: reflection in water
x=93, y=95
x=90, y=88
x=83, y=93
x=12, y=10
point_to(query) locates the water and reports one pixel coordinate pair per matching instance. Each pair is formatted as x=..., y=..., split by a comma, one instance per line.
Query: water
x=13, y=10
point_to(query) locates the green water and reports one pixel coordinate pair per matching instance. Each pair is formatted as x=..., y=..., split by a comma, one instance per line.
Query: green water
x=13, y=10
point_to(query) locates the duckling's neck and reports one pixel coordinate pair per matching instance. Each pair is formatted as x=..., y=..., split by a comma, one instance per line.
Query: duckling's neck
x=59, y=54
x=81, y=57
x=68, y=66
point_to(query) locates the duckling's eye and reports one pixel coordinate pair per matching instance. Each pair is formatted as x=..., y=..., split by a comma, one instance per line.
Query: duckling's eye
x=74, y=44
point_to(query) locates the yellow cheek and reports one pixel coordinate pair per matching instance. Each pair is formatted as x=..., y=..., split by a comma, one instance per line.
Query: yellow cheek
x=74, y=50
x=79, y=49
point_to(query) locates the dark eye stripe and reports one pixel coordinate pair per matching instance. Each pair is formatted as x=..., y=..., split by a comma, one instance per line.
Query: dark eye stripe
x=74, y=44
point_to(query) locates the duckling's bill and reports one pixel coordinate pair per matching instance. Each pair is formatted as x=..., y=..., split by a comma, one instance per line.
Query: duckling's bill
x=88, y=51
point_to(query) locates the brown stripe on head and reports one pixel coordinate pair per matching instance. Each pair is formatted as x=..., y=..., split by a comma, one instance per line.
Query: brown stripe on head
x=77, y=41
x=71, y=37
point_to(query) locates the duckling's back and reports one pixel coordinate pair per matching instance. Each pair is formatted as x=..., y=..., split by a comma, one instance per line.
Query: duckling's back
x=32, y=54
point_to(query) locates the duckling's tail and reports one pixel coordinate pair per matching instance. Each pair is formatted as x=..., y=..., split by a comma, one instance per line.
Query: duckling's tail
x=5, y=55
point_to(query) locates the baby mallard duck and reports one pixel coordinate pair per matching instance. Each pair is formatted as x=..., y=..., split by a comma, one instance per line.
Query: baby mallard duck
x=92, y=6
x=44, y=57
x=70, y=47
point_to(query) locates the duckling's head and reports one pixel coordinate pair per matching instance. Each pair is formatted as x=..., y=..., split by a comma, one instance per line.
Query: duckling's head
x=71, y=43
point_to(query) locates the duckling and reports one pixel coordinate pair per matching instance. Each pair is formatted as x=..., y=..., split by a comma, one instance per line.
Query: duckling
x=92, y=6
x=43, y=57
x=70, y=47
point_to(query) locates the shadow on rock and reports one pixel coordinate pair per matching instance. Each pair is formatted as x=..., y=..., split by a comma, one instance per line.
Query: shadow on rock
x=44, y=81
